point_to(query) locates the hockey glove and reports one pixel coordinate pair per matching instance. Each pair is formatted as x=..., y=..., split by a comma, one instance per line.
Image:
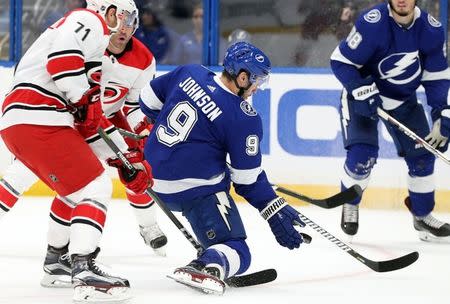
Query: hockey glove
x=440, y=131
x=141, y=179
x=282, y=218
x=143, y=128
x=88, y=110
x=366, y=100
x=435, y=137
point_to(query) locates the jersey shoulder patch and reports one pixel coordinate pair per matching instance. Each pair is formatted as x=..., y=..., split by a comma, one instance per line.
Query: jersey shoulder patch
x=248, y=109
x=373, y=16
x=433, y=21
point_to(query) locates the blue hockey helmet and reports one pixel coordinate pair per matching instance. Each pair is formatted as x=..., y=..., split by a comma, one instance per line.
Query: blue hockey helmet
x=243, y=56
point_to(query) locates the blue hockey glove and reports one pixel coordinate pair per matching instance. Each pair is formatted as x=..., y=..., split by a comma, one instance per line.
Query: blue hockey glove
x=366, y=100
x=282, y=218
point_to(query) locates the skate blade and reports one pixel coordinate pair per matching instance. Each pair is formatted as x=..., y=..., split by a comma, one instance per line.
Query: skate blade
x=89, y=294
x=208, y=287
x=56, y=281
x=161, y=251
x=430, y=238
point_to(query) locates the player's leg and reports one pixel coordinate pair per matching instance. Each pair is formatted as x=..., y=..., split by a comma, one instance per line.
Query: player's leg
x=57, y=263
x=143, y=206
x=217, y=224
x=360, y=137
x=145, y=210
x=420, y=179
x=16, y=179
x=74, y=172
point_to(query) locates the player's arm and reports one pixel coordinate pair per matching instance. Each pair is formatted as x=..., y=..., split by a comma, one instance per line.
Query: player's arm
x=436, y=81
x=136, y=119
x=80, y=38
x=350, y=56
x=250, y=181
x=153, y=94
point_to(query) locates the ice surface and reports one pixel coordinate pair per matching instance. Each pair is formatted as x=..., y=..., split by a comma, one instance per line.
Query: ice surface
x=317, y=273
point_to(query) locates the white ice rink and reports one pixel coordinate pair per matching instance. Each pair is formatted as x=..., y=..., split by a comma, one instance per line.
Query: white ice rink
x=317, y=273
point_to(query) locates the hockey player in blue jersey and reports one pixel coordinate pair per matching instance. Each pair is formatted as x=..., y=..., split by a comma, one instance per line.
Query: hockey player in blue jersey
x=393, y=49
x=201, y=118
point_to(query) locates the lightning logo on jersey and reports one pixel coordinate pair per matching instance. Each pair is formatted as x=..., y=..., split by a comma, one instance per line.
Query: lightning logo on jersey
x=400, y=68
x=223, y=205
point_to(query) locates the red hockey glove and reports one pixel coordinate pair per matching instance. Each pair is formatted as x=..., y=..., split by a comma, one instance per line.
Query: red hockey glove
x=141, y=179
x=88, y=110
x=143, y=128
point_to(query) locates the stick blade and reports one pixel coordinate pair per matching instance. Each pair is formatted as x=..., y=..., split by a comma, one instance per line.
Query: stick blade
x=251, y=279
x=395, y=264
x=343, y=197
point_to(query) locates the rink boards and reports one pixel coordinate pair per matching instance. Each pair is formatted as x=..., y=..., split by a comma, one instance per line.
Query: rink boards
x=302, y=145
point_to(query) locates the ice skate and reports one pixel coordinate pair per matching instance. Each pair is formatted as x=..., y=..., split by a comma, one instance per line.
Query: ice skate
x=155, y=238
x=93, y=285
x=349, y=219
x=207, y=279
x=57, y=268
x=431, y=229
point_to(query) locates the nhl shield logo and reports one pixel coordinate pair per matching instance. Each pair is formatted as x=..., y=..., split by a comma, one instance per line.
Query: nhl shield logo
x=248, y=109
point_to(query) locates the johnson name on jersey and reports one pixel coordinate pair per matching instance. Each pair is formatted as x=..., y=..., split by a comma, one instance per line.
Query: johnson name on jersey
x=198, y=122
x=54, y=71
x=398, y=58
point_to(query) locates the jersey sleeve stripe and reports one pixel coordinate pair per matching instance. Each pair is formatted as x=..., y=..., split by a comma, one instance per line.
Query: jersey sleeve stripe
x=68, y=63
x=69, y=74
x=441, y=75
x=338, y=56
x=245, y=177
x=72, y=52
x=149, y=98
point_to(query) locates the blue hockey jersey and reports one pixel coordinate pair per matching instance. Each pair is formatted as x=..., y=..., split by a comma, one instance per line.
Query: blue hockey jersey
x=398, y=59
x=198, y=122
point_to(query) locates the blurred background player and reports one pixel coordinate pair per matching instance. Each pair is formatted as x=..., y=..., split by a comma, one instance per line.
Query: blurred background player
x=51, y=95
x=393, y=49
x=200, y=118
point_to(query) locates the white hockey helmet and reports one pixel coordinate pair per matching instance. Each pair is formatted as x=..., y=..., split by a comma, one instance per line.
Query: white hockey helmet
x=126, y=12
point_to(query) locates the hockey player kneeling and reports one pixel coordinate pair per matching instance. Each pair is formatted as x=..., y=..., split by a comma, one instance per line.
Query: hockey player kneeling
x=201, y=118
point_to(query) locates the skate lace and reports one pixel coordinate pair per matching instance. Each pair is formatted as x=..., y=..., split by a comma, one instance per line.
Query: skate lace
x=98, y=269
x=432, y=221
x=151, y=232
x=65, y=257
x=351, y=213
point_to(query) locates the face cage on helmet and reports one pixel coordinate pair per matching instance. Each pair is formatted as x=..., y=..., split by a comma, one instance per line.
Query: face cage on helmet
x=262, y=82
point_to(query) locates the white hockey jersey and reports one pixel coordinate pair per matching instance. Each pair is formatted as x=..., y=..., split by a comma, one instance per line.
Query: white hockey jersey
x=123, y=77
x=55, y=69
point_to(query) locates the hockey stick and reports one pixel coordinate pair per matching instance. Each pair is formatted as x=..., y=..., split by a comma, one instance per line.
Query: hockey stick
x=412, y=135
x=256, y=278
x=378, y=266
x=129, y=134
x=336, y=200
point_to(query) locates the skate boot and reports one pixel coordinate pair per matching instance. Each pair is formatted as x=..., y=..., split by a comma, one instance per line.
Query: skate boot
x=57, y=268
x=431, y=229
x=92, y=284
x=207, y=279
x=155, y=238
x=349, y=219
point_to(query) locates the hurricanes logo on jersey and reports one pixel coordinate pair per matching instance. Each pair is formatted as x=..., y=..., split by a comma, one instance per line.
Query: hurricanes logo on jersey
x=400, y=68
x=113, y=93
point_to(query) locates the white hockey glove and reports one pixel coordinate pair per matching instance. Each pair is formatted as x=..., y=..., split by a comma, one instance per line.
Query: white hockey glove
x=435, y=138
